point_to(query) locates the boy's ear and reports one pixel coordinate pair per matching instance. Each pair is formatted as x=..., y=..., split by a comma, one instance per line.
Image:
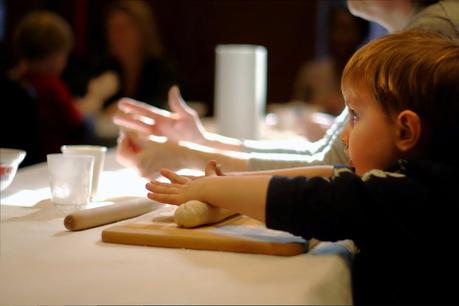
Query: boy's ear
x=408, y=130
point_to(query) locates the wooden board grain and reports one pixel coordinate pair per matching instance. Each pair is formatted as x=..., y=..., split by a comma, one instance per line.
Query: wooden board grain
x=236, y=234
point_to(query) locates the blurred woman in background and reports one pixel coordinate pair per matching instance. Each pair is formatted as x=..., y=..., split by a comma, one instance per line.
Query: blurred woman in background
x=136, y=55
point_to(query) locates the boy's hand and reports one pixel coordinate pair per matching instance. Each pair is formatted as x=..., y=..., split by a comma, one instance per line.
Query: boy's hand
x=213, y=169
x=180, y=190
x=174, y=177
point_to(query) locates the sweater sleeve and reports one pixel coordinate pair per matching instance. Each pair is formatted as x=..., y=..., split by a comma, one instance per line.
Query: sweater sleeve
x=315, y=207
x=345, y=206
x=276, y=155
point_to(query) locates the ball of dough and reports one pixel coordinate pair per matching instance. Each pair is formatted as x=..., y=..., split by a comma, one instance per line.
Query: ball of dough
x=195, y=213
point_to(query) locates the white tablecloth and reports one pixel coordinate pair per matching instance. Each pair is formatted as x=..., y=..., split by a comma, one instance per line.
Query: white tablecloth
x=42, y=263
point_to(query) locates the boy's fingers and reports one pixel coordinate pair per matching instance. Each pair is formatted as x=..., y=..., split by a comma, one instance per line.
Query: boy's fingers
x=210, y=167
x=164, y=198
x=163, y=188
x=218, y=170
x=173, y=177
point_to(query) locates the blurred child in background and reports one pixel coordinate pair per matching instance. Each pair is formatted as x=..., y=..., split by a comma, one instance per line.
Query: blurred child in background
x=42, y=42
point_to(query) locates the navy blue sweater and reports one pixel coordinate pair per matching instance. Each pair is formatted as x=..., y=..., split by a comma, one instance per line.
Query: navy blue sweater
x=404, y=222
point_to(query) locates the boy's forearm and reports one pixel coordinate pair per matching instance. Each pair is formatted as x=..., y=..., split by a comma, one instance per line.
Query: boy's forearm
x=246, y=195
x=310, y=171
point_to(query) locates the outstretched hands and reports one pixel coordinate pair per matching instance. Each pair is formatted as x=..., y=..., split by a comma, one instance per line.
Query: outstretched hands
x=182, y=124
x=144, y=153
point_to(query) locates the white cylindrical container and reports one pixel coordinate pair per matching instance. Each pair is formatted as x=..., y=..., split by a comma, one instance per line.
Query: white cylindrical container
x=240, y=89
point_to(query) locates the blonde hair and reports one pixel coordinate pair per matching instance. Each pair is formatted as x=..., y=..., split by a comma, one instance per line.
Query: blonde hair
x=40, y=34
x=142, y=15
x=413, y=70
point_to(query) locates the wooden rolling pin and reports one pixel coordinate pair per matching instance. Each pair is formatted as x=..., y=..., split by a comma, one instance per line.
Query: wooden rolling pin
x=93, y=217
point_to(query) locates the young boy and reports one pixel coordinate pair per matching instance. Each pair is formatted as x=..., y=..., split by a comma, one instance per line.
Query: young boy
x=400, y=206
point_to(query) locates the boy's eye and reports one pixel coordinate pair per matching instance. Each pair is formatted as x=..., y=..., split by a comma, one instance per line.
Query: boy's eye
x=354, y=116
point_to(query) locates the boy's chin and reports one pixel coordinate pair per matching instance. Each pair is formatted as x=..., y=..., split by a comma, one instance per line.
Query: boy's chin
x=350, y=164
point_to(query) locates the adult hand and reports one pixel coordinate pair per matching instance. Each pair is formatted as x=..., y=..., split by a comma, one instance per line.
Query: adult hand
x=147, y=155
x=182, y=123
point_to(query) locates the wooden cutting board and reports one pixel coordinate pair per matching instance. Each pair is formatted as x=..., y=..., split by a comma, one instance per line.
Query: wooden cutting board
x=235, y=234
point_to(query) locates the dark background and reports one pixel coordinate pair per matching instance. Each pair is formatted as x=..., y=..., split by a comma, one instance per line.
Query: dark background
x=190, y=30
